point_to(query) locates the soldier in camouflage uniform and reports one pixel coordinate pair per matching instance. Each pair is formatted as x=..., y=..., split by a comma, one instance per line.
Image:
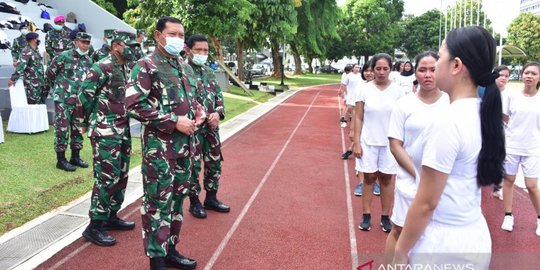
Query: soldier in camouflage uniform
x=208, y=144
x=160, y=95
x=138, y=48
x=19, y=43
x=30, y=66
x=105, y=50
x=57, y=40
x=66, y=73
x=101, y=107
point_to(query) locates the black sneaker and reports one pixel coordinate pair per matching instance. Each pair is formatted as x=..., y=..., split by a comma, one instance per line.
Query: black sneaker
x=346, y=155
x=366, y=223
x=385, y=223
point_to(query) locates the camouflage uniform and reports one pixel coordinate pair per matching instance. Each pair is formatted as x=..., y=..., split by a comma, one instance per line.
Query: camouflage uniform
x=101, y=105
x=208, y=144
x=19, y=44
x=160, y=90
x=30, y=66
x=105, y=50
x=56, y=42
x=66, y=72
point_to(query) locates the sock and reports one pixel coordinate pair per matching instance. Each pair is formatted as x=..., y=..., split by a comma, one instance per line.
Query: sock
x=508, y=214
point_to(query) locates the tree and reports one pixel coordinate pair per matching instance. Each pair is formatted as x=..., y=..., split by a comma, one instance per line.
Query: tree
x=524, y=32
x=420, y=33
x=317, y=20
x=108, y=5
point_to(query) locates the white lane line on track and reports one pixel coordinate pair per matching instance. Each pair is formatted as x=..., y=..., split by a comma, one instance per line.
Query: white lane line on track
x=84, y=246
x=350, y=216
x=240, y=217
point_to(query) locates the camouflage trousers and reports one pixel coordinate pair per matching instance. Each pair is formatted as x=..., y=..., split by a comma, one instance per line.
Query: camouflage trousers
x=165, y=186
x=36, y=94
x=65, y=128
x=208, y=149
x=111, y=167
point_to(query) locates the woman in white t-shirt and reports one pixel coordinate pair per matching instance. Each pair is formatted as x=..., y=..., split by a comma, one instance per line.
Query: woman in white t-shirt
x=504, y=75
x=460, y=152
x=372, y=113
x=342, y=94
x=412, y=114
x=406, y=78
x=523, y=143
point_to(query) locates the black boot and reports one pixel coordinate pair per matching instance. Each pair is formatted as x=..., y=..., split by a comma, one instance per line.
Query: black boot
x=96, y=234
x=115, y=223
x=177, y=260
x=62, y=163
x=76, y=159
x=195, y=207
x=212, y=203
x=158, y=263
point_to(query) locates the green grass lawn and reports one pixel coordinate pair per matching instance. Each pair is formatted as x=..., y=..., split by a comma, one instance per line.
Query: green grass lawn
x=32, y=186
x=304, y=80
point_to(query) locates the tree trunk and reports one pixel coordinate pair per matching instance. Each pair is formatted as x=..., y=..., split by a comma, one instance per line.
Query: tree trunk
x=240, y=59
x=276, y=58
x=297, y=60
x=217, y=46
x=310, y=64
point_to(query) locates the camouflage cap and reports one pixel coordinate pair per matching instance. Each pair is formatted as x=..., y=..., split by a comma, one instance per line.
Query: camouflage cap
x=141, y=32
x=107, y=33
x=83, y=36
x=126, y=37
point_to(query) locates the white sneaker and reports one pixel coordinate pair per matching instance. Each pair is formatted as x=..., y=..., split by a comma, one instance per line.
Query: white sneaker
x=498, y=194
x=343, y=124
x=538, y=227
x=508, y=224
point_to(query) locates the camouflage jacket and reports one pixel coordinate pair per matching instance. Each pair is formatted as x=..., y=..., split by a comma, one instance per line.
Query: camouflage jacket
x=159, y=90
x=31, y=66
x=56, y=42
x=65, y=75
x=101, y=53
x=208, y=91
x=101, y=98
x=19, y=44
x=91, y=50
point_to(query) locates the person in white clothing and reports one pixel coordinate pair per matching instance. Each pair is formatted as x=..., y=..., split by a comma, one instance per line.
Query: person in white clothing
x=351, y=81
x=412, y=114
x=406, y=78
x=397, y=68
x=342, y=92
x=523, y=143
x=461, y=151
x=372, y=116
x=504, y=75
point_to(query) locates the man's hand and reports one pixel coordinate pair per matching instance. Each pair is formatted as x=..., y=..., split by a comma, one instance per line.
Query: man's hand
x=213, y=120
x=200, y=115
x=185, y=125
x=83, y=130
x=10, y=83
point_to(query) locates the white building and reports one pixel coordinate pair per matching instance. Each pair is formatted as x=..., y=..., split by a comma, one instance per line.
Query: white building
x=532, y=6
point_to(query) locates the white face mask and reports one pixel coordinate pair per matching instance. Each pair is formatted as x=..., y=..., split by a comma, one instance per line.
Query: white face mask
x=81, y=52
x=24, y=31
x=199, y=59
x=174, y=45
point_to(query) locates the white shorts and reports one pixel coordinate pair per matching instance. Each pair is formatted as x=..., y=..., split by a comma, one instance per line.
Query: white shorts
x=402, y=203
x=377, y=158
x=529, y=164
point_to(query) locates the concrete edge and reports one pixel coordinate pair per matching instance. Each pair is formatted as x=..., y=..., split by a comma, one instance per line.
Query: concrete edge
x=227, y=130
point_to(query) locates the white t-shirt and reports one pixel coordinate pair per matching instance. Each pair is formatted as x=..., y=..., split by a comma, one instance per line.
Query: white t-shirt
x=409, y=118
x=505, y=99
x=352, y=82
x=354, y=94
x=378, y=107
x=451, y=145
x=406, y=82
x=344, y=77
x=394, y=76
x=523, y=131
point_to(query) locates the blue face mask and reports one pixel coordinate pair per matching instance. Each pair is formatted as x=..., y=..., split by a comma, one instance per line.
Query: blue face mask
x=81, y=52
x=24, y=32
x=199, y=59
x=174, y=45
x=57, y=27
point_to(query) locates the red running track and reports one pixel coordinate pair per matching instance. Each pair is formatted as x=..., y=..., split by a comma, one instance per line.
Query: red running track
x=292, y=205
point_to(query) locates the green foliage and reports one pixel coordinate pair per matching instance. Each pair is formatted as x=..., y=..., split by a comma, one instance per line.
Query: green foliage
x=317, y=20
x=107, y=5
x=420, y=33
x=524, y=32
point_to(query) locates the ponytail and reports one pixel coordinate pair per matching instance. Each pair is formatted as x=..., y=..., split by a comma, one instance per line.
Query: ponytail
x=490, y=160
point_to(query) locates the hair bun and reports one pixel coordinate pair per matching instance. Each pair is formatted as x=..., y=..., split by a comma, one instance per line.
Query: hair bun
x=488, y=78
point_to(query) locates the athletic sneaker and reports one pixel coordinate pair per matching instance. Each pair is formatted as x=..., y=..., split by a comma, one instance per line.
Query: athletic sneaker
x=366, y=223
x=508, y=224
x=385, y=223
x=498, y=194
x=358, y=190
x=538, y=227
x=377, y=189
x=343, y=122
x=346, y=155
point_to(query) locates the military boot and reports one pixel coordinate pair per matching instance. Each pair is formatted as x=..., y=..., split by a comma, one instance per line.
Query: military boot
x=116, y=223
x=76, y=159
x=96, y=234
x=212, y=203
x=62, y=163
x=177, y=260
x=195, y=207
x=158, y=263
